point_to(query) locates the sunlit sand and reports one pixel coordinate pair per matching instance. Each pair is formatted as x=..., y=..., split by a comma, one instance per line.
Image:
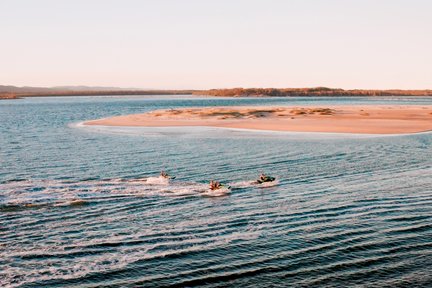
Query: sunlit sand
x=377, y=119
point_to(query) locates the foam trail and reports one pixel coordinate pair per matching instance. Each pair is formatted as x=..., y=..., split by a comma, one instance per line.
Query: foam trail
x=158, y=180
x=39, y=193
x=217, y=193
x=250, y=184
x=268, y=184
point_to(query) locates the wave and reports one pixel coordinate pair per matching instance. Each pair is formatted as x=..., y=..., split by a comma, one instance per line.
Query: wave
x=309, y=247
x=224, y=132
x=40, y=193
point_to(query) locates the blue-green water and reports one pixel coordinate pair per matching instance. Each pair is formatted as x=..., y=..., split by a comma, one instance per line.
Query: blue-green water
x=348, y=210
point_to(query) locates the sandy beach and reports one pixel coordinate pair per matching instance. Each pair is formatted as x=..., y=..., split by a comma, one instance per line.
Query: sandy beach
x=377, y=119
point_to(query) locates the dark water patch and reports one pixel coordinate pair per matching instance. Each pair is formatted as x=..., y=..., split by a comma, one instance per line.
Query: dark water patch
x=412, y=229
x=378, y=274
x=409, y=218
x=13, y=180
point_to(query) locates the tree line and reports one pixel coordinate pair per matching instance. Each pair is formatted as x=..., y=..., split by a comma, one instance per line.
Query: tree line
x=316, y=91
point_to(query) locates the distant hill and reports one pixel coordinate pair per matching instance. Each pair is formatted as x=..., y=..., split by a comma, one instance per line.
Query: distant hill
x=27, y=89
x=91, y=88
x=13, y=92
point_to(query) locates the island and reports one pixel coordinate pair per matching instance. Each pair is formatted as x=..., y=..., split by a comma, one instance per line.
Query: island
x=363, y=119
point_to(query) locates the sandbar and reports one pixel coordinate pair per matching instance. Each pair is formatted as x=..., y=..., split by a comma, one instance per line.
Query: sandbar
x=362, y=119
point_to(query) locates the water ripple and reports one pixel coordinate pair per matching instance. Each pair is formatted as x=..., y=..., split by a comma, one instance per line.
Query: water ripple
x=76, y=209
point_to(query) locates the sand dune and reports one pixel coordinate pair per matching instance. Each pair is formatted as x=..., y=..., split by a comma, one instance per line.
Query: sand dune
x=382, y=119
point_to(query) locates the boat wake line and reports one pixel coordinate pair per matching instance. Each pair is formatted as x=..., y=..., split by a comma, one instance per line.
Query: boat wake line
x=40, y=193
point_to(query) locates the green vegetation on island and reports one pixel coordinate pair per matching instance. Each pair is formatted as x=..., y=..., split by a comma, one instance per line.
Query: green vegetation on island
x=317, y=91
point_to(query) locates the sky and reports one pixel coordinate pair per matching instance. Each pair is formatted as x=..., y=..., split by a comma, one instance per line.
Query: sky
x=202, y=44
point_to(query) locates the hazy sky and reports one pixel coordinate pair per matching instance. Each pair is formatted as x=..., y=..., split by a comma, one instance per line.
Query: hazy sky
x=220, y=43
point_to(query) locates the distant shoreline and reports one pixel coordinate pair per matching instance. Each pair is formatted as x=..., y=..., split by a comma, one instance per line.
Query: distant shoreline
x=308, y=92
x=93, y=93
x=11, y=92
x=358, y=119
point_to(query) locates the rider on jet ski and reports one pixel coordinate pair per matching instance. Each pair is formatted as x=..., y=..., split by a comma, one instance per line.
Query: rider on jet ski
x=264, y=178
x=165, y=175
x=215, y=185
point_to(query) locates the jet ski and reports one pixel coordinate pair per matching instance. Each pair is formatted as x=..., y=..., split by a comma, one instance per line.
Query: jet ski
x=165, y=175
x=217, y=189
x=265, y=179
x=216, y=185
x=163, y=179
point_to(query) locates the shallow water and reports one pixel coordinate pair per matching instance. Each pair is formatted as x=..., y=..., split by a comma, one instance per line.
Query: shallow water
x=76, y=209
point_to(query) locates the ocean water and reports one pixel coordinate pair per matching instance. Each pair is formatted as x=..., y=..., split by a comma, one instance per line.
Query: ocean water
x=83, y=207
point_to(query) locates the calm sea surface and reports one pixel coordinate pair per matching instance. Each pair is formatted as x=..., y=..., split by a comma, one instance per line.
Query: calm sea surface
x=348, y=211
